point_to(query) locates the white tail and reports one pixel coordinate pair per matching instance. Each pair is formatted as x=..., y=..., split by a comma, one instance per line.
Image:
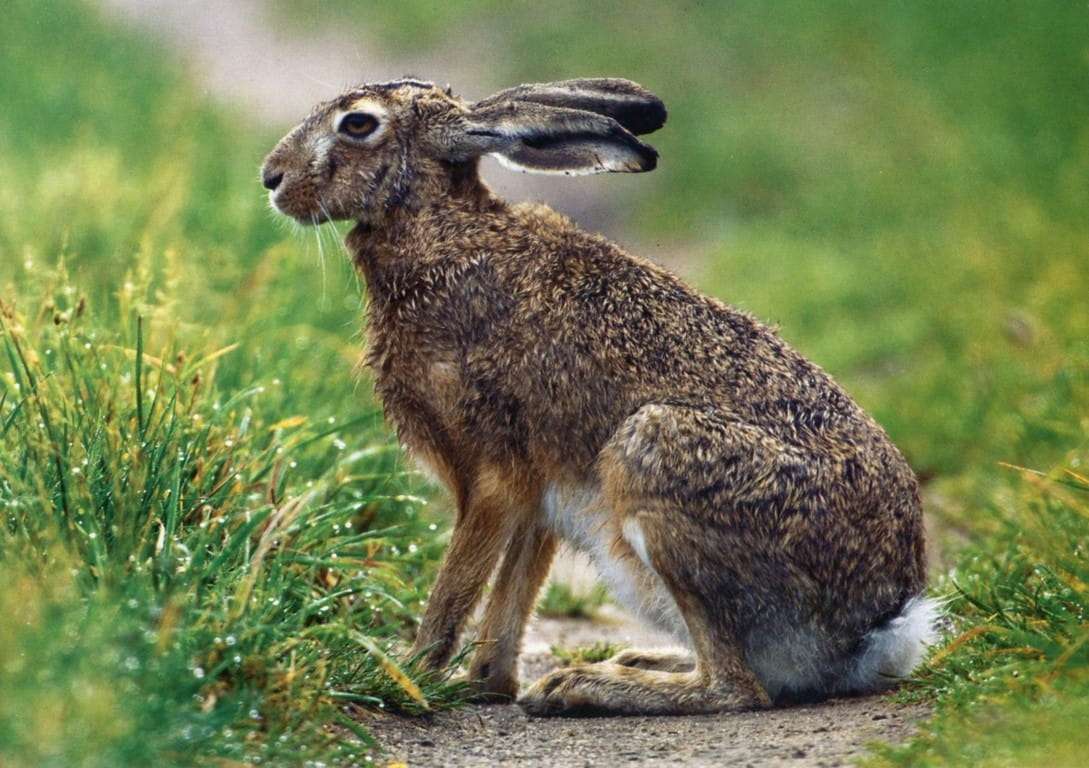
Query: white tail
x=893, y=651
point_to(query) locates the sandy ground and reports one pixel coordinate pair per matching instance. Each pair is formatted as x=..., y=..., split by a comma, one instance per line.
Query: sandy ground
x=259, y=67
x=832, y=734
x=829, y=734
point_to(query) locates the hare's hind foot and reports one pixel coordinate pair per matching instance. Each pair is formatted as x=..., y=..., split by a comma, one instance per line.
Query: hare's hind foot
x=612, y=689
x=658, y=661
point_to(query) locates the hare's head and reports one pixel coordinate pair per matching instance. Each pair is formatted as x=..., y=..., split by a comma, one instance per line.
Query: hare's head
x=389, y=145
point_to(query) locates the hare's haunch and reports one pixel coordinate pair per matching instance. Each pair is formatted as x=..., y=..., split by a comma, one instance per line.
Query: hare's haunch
x=727, y=489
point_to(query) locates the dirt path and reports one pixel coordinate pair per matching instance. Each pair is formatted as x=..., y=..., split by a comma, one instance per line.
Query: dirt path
x=829, y=734
x=259, y=67
x=834, y=733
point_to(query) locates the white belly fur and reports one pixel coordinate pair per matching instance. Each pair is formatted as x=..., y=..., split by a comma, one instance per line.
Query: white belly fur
x=578, y=515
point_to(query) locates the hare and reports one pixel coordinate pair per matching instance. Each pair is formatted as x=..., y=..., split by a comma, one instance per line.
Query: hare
x=727, y=489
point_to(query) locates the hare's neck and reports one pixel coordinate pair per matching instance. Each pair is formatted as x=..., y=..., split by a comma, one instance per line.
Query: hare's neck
x=414, y=263
x=409, y=237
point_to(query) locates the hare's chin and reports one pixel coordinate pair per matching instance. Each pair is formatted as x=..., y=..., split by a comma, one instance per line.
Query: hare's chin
x=275, y=205
x=316, y=217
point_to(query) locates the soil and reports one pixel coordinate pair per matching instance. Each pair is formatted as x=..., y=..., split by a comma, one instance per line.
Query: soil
x=833, y=733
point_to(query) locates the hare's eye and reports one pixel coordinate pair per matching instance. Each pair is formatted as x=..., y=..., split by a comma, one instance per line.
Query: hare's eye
x=357, y=124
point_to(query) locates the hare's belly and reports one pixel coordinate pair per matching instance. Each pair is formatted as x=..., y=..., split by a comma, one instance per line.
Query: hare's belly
x=579, y=516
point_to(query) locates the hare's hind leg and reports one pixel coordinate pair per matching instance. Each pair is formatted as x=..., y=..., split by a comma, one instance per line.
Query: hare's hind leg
x=647, y=683
x=659, y=661
x=658, y=465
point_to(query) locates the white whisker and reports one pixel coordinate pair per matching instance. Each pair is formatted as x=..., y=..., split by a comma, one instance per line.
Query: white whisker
x=321, y=259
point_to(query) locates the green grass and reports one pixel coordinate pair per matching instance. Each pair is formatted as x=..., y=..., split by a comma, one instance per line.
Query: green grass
x=586, y=654
x=209, y=547
x=902, y=187
x=1013, y=684
x=560, y=600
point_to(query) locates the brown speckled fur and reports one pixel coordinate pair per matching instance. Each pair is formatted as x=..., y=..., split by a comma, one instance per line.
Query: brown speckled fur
x=515, y=352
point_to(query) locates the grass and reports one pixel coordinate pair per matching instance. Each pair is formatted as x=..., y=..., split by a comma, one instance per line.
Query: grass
x=210, y=550
x=585, y=654
x=169, y=542
x=560, y=600
x=1013, y=684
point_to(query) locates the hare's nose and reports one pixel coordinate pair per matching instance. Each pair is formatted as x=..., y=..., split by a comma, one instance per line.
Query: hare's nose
x=271, y=180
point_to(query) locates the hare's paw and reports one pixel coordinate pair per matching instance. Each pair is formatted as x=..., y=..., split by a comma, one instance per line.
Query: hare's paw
x=497, y=688
x=566, y=692
x=611, y=689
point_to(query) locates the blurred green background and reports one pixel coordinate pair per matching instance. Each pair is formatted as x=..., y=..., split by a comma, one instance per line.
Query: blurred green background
x=902, y=187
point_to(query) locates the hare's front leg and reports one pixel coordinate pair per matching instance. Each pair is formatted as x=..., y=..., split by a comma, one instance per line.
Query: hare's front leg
x=529, y=554
x=483, y=526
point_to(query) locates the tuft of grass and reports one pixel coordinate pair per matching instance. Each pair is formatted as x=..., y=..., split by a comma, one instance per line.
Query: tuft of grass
x=587, y=654
x=171, y=540
x=561, y=601
x=1013, y=681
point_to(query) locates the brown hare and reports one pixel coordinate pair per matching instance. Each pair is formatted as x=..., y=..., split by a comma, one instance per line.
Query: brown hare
x=727, y=489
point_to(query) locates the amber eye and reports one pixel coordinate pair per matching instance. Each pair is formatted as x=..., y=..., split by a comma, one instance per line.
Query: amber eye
x=357, y=124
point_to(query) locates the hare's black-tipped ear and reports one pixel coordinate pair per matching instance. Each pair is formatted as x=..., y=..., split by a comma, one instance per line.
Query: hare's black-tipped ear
x=630, y=104
x=539, y=138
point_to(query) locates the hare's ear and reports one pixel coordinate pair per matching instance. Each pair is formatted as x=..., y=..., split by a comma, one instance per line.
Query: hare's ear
x=630, y=104
x=534, y=137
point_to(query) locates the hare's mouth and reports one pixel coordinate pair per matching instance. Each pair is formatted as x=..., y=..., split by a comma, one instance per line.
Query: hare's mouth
x=303, y=214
